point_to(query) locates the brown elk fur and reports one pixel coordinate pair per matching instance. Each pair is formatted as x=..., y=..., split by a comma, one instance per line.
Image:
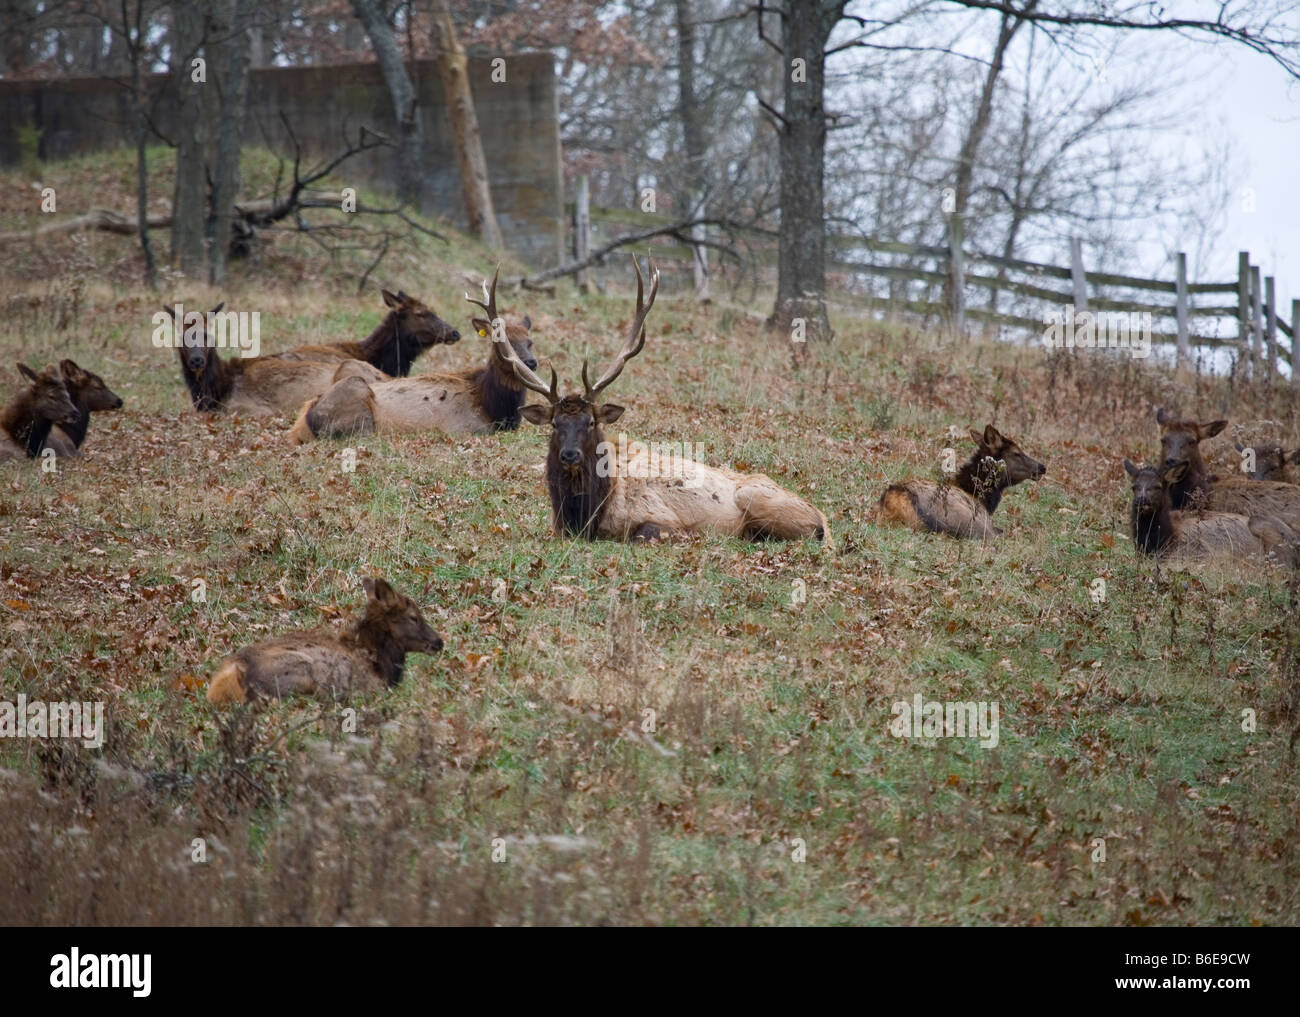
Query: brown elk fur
x=1157, y=529
x=89, y=394
x=1272, y=462
x=964, y=507
x=475, y=401
x=260, y=386
x=409, y=328
x=367, y=656
x=1180, y=445
x=26, y=419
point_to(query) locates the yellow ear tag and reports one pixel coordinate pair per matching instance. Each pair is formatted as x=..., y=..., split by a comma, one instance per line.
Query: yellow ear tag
x=482, y=332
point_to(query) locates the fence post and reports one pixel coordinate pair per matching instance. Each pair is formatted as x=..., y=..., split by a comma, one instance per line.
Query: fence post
x=1077, y=275
x=1270, y=328
x=1180, y=309
x=1295, y=344
x=957, y=276
x=582, y=228
x=1243, y=305
x=1256, y=314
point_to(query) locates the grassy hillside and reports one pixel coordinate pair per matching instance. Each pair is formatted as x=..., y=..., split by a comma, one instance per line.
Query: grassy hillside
x=529, y=737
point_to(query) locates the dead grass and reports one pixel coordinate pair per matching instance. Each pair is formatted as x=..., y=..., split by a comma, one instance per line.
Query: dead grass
x=530, y=737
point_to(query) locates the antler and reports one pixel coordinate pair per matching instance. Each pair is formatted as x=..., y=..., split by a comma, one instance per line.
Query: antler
x=636, y=336
x=506, y=351
x=490, y=308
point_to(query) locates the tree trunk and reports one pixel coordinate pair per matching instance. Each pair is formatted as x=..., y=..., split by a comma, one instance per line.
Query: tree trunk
x=693, y=138
x=189, y=201
x=230, y=61
x=801, y=283
x=453, y=69
x=410, y=125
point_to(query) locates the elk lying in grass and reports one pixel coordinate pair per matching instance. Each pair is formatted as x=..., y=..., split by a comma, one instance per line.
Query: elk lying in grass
x=1158, y=530
x=648, y=495
x=409, y=328
x=367, y=656
x=1272, y=462
x=26, y=420
x=257, y=386
x=963, y=507
x=1180, y=445
x=475, y=401
x=89, y=394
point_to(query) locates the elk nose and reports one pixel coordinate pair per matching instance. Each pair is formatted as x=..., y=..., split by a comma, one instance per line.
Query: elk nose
x=455, y=336
x=196, y=363
x=1041, y=469
x=569, y=456
x=117, y=403
x=531, y=363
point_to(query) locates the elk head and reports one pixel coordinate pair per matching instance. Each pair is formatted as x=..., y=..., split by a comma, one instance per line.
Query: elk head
x=1270, y=460
x=88, y=389
x=417, y=325
x=1018, y=466
x=49, y=395
x=399, y=616
x=519, y=338
x=1150, y=524
x=578, y=490
x=1180, y=439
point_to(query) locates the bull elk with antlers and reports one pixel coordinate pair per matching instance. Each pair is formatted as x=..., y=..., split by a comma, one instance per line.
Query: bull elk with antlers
x=647, y=495
x=475, y=401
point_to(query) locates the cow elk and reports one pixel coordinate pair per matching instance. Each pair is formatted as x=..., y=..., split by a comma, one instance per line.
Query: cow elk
x=26, y=420
x=89, y=394
x=367, y=656
x=964, y=506
x=1157, y=529
x=256, y=386
x=409, y=328
x=475, y=401
x=1272, y=462
x=647, y=495
x=1180, y=444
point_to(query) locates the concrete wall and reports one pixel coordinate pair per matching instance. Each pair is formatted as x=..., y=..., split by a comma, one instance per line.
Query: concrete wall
x=517, y=118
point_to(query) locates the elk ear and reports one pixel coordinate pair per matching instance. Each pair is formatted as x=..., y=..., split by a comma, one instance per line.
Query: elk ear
x=377, y=589
x=391, y=299
x=170, y=310
x=1175, y=473
x=976, y=437
x=1130, y=469
x=1211, y=429
x=536, y=413
x=26, y=372
x=1239, y=446
x=481, y=325
x=991, y=437
x=608, y=413
x=71, y=372
x=1161, y=416
x=403, y=296
x=218, y=307
x=528, y=323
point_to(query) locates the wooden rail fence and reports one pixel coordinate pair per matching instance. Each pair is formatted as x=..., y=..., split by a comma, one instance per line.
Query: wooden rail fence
x=1240, y=314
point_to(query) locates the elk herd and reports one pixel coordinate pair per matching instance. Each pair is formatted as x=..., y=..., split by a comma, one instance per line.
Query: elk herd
x=1179, y=510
